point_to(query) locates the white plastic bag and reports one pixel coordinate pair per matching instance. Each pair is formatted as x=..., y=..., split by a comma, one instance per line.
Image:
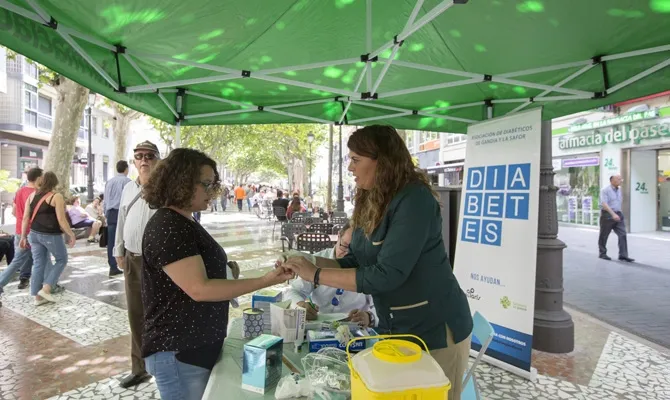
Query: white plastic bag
x=293, y=386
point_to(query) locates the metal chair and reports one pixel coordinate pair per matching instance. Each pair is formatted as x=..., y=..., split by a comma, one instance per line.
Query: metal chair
x=340, y=214
x=280, y=216
x=288, y=233
x=312, y=242
x=321, y=228
x=267, y=207
x=339, y=220
x=297, y=218
x=336, y=229
x=484, y=332
x=313, y=220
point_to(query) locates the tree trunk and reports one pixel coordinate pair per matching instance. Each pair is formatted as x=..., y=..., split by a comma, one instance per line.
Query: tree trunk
x=122, y=120
x=329, y=191
x=72, y=99
x=289, y=169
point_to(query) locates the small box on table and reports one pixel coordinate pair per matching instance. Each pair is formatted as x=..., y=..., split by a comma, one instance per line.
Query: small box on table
x=262, y=300
x=262, y=363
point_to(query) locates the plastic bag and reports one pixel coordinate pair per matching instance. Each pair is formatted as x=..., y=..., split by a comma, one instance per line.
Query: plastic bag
x=293, y=386
x=328, y=371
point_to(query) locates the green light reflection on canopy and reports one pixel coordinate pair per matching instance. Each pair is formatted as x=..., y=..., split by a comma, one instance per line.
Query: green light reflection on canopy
x=207, y=59
x=616, y=12
x=554, y=22
x=290, y=73
x=493, y=86
x=202, y=46
x=227, y=92
x=280, y=25
x=480, y=48
x=266, y=59
x=320, y=93
x=332, y=110
x=343, y=3
x=660, y=6
x=118, y=18
x=235, y=85
x=182, y=71
x=416, y=47
x=530, y=6
x=211, y=35
x=283, y=88
x=519, y=90
x=251, y=21
x=332, y=72
x=455, y=33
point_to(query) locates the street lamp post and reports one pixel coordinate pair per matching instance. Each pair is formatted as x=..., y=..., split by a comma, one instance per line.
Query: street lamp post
x=310, y=139
x=340, y=187
x=89, y=110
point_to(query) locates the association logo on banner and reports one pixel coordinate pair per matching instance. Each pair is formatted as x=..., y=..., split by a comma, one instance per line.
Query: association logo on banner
x=495, y=193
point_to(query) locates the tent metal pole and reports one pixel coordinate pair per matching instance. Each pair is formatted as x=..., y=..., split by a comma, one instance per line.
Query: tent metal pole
x=380, y=106
x=368, y=42
x=87, y=38
x=47, y=19
x=430, y=87
x=437, y=69
x=302, y=103
x=545, y=69
x=562, y=98
x=132, y=63
x=636, y=53
x=466, y=120
x=217, y=114
x=389, y=116
x=183, y=82
x=367, y=68
x=304, y=84
x=177, y=135
x=396, y=47
x=340, y=185
x=208, y=67
x=489, y=110
x=21, y=11
x=307, y=66
x=427, y=18
x=561, y=83
x=639, y=76
x=288, y=114
x=540, y=86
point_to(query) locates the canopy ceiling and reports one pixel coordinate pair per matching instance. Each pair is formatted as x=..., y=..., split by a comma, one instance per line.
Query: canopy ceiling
x=426, y=64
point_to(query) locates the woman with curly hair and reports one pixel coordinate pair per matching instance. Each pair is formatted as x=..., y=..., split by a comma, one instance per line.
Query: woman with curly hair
x=185, y=289
x=397, y=253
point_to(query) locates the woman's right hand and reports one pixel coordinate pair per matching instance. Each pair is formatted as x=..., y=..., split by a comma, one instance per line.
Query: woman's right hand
x=277, y=276
x=72, y=240
x=23, y=243
x=312, y=310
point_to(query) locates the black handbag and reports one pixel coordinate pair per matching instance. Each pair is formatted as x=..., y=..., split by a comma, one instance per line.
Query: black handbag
x=103, y=237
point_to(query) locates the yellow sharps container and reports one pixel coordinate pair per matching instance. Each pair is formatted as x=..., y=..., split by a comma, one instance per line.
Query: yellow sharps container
x=395, y=369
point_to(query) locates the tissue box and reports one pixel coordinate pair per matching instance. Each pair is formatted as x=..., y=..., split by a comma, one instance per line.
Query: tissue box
x=262, y=299
x=262, y=363
x=326, y=338
x=288, y=321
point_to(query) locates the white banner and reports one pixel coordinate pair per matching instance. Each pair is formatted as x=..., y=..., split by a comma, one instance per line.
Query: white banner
x=497, y=240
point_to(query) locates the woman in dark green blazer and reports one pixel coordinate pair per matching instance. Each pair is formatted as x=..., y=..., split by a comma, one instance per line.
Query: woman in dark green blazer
x=397, y=253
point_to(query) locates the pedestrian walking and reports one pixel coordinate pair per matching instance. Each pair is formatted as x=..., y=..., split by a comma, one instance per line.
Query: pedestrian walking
x=611, y=218
x=239, y=196
x=113, y=190
x=224, y=198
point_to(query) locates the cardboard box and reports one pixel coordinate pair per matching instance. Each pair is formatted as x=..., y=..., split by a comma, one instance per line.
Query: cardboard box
x=262, y=299
x=288, y=321
x=326, y=338
x=262, y=363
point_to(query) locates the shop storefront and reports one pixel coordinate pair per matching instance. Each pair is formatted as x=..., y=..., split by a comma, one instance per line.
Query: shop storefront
x=450, y=174
x=635, y=146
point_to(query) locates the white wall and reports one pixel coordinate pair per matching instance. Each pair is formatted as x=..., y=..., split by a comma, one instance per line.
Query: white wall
x=610, y=163
x=643, y=175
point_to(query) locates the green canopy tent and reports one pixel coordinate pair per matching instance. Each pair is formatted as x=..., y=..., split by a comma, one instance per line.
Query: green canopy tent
x=435, y=65
x=426, y=64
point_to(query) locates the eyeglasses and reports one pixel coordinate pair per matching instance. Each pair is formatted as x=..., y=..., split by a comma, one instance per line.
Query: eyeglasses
x=146, y=156
x=336, y=299
x=209, y=186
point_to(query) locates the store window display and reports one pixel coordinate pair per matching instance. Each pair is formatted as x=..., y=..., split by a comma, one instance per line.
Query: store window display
x=578, y=182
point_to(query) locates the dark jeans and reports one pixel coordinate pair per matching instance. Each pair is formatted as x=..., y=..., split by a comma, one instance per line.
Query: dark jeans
x=223, y=204
x=607, y=224
x=112, y=216
x=197, y=215
x=239, y=204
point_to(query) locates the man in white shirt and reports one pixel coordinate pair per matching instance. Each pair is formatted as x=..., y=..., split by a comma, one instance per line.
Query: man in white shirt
x=330, y=300
x=134, y=213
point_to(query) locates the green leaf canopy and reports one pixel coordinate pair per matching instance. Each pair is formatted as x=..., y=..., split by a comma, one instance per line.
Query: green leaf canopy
x=431, y=65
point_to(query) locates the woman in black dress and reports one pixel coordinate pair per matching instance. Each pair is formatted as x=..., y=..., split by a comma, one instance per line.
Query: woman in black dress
x=184, y=287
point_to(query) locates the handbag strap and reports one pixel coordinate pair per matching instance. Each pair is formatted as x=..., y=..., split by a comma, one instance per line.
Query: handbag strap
x=130, y=205
x=37, y=207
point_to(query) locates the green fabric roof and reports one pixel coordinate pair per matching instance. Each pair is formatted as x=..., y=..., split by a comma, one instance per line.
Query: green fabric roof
x=223, y=38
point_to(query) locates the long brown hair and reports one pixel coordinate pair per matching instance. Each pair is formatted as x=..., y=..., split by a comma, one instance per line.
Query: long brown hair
x=295, y=204
x=48, y=183
x=395, y=170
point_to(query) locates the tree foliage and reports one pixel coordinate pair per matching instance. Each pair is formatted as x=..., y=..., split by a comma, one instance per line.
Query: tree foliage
x=268, y=150
x=7, y=184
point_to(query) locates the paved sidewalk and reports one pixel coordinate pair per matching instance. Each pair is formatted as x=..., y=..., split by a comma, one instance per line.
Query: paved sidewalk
x=634, y=297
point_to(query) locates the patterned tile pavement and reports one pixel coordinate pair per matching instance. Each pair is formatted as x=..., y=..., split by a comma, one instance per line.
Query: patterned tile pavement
x=79, y=347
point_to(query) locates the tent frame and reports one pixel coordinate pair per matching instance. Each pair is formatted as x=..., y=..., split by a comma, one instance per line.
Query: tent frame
x=347, y=98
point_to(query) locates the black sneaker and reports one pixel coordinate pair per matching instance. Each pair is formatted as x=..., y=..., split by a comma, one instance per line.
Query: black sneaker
x=627, y=259
x=605, y=257
x=113, y=274
x=23, y=283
